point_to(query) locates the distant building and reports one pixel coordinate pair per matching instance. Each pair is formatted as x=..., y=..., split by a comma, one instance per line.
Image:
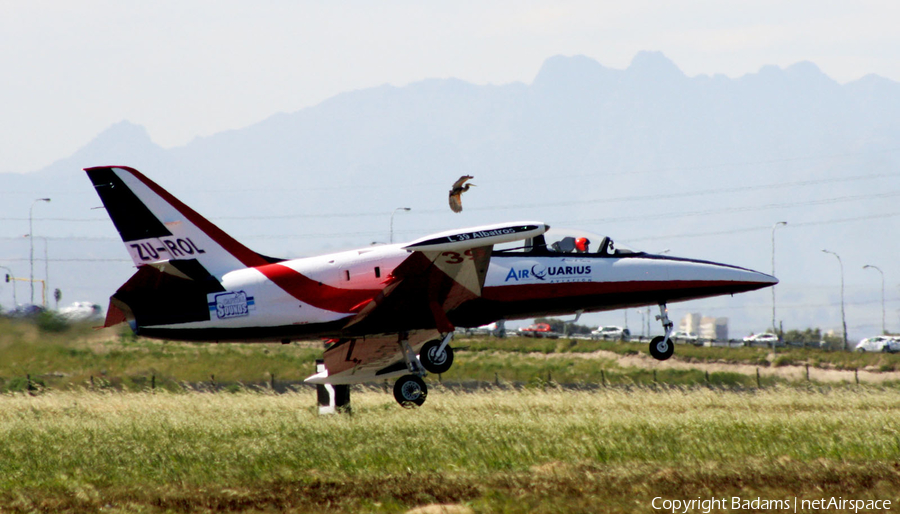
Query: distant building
x=690, y=323
x=714, y=329
x=707, y=328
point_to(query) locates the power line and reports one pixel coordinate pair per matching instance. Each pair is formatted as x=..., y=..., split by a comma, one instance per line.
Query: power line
x=764, y=227
x=668, y=215
x=379, y=232
x=561, y=203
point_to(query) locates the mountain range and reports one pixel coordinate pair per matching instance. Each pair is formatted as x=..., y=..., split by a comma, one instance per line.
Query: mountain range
x=696, y=166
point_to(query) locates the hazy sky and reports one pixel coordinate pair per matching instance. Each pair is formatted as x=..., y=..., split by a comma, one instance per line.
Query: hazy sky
x=193, y=68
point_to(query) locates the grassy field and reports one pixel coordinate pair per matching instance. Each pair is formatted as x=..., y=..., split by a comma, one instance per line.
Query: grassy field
x=531, y=451
x=115, y=359
x=675, y=433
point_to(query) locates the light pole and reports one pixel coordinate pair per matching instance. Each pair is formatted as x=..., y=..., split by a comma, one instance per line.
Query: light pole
x=876, y=268
x=392, y=221
x=31, y=246
x=12, y=278
x=776, y=225
x=843, y=317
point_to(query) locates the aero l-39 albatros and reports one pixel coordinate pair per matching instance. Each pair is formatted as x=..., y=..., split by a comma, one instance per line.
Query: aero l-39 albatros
x=389, y=311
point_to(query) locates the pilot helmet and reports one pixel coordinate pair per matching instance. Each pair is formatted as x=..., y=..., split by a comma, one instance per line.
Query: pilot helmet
x=582, y=243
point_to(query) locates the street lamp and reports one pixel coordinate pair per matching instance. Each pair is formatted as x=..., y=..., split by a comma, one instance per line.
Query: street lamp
x=31, y=246
x=876, y=268
x=776, y=225
x=843, y=317
x=392, y=220
x=12, y=278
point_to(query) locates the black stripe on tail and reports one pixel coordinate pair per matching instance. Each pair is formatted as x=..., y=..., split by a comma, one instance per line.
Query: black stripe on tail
x=131, y=217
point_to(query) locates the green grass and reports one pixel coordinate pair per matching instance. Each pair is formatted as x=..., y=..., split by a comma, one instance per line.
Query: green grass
x=115, y=359
x=121, y=448
x=498, y=452
x=757, y=356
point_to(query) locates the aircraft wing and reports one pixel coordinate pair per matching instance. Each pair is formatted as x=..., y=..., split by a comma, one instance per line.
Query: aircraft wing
x=442, y=272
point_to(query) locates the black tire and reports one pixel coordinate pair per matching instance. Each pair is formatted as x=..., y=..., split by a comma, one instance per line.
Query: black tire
x=410, y=391
x=434, y=362
x=659, y=350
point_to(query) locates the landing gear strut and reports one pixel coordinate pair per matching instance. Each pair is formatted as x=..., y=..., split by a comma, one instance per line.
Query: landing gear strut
x=661, y=348
x=410, y=390
x=437, y=356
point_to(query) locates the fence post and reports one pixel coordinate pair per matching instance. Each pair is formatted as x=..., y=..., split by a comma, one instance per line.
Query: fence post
x=856, y=374
x=758, y=385
x=272, y=381
x=153, y=382
x=603, y=377
x=807, y=372
x=707, y=377
x=212, y=379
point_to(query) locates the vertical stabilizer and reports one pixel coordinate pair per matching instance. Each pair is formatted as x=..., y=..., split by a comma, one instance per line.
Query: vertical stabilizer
x=161, y=231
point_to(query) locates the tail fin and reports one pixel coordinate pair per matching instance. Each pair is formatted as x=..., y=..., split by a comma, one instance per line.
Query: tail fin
x=159, y=230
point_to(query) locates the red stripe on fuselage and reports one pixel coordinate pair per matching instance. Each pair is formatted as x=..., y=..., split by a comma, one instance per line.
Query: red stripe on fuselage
x=316, y=293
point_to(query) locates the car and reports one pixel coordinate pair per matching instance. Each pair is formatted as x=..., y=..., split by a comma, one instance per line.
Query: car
x=765, y=339
x=82, y=311
x=685, y=337
x=879, y=344
x=538, y=330
x=611, y=332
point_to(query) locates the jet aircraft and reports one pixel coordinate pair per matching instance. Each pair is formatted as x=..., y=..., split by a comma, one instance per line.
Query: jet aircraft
x=386, y=311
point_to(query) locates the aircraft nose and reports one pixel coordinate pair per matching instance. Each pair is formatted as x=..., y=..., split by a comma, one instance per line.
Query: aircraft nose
x=743, y=279
x=725, y=277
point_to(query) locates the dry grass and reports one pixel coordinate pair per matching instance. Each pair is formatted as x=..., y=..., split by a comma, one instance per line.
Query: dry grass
x=525, y=451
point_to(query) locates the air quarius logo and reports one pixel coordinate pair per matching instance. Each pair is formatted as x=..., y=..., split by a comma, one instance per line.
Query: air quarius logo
x=553, y=274
x=231, y=305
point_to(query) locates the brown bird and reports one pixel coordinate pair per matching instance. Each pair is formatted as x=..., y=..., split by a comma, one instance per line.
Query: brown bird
x=457, y=191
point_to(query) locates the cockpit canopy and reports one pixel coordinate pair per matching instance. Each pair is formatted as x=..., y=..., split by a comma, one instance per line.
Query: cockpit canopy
x=562, y=240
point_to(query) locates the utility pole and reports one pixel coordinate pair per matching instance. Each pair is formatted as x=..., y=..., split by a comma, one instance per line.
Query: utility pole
x=774, y=330
x=391, y=240
x=31, y=244
x=843, y=317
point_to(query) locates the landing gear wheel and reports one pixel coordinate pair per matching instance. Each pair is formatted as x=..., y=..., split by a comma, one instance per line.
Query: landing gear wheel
x=435, y=362
x=410, y=391
x=661, y=349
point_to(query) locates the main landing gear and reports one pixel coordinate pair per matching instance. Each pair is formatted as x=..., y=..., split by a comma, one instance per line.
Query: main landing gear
x=435, y=357
x=661, y=348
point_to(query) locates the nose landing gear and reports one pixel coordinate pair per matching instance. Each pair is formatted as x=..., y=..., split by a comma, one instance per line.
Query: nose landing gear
x=661, y=348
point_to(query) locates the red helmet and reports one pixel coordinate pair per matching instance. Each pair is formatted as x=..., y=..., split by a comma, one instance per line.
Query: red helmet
x=581, y=244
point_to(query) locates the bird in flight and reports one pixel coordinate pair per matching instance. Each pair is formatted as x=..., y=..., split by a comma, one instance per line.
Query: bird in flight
x=456, y=192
